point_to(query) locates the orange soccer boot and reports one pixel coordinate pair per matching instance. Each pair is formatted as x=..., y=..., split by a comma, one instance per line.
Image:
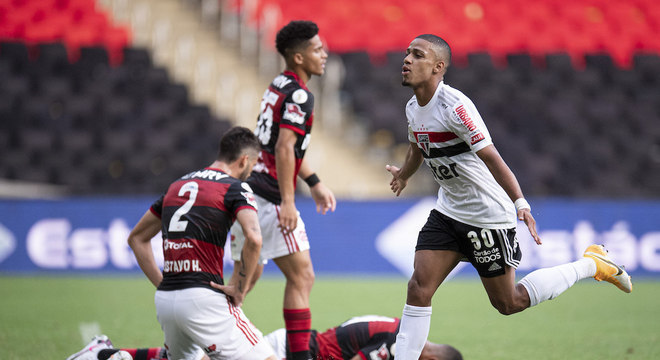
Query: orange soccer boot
x=607, y=270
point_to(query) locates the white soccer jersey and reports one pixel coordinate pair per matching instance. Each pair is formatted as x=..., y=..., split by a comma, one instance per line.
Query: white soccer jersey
x=449, y=131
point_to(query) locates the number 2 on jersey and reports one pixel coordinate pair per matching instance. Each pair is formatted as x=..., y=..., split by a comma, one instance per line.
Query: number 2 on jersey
x=176, y=224
x=265, y=122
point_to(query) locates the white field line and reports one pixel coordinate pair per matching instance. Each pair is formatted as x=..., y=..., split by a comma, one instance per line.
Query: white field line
x=88, y=331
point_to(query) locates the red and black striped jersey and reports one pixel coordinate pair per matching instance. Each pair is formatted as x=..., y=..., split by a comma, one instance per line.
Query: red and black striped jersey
x=197, y=212
x=288, y=104
x=371, y=337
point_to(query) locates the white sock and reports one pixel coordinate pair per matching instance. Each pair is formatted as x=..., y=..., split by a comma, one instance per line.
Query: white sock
x=413, y=332
x=547, y=284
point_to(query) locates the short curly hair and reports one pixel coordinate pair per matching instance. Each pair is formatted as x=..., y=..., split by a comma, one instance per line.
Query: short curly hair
x=294, y=35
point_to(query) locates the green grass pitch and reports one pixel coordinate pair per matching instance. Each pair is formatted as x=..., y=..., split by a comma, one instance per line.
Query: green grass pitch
x=41, y=317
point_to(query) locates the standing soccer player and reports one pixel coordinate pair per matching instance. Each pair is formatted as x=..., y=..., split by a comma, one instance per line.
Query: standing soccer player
x=478, y=202
x=283, y=128
x=195, y=309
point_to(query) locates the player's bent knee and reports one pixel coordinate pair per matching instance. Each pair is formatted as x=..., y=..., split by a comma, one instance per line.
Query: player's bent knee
x=309, y=278
x=507, y=307
x=303, y=279
x=418, y=294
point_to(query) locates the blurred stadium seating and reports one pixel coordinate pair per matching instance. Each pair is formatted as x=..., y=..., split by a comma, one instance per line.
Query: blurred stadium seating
x=570, y=91
x=96, y=115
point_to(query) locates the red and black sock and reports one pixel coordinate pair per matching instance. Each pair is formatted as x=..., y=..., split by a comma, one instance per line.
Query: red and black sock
x=137, y=354
x=298, y=323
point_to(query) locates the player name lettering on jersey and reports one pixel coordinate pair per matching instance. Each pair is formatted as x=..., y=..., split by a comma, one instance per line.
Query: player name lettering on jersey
x=181, y=266
x=205, y=174
x=281, y=81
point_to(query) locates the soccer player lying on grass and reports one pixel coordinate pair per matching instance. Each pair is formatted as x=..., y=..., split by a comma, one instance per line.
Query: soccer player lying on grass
x=363, y=337
x=360, y=338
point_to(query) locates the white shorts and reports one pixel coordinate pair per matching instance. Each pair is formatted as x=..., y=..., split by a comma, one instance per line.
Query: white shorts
x=198, y=320
x=275, y=243
x=277, y=340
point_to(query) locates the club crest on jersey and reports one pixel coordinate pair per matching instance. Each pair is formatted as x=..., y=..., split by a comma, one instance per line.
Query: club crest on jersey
x=381, y=354
x=423, y=141
x=249, y=197
x=210, y=349
x=294, y=113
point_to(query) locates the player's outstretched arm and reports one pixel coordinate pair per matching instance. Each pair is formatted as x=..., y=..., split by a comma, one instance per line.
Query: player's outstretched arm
x=140, y=241
x=507, y=180
x=241, y=281
x=410, y=165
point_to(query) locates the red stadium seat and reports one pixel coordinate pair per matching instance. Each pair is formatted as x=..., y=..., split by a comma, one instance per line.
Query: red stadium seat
x=508, y=26
x=75, y=22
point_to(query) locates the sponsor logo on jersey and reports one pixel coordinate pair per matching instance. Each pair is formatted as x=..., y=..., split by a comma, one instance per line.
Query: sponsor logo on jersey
x=206, y=174
x=281, y=81
x=487, y=256
x=423, y=141
x=299, y=96
x=469, y=124
x=294, y=113
x=170, y=245
x=465, y=118
x=476, y=138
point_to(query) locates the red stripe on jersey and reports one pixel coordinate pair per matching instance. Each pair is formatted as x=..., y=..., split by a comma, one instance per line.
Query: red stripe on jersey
x=295, y=76
x=153, y=211
x=209, y=194
x=277, y=116
x=376, y=327
x=436, y=137
x=293, y=128
x=245, y=207
x=268, y=160
x=328, y=345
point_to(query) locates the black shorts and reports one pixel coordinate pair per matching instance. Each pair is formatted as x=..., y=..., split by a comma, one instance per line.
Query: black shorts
x=488, y=250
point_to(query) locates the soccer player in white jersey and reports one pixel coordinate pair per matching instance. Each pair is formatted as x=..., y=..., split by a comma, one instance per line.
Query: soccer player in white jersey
x=478, y=202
